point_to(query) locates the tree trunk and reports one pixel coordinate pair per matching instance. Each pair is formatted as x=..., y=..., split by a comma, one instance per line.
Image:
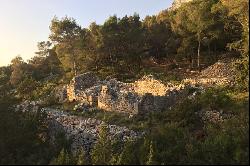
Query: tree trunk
x=209, y=52
x=199, y=47
x=110, y=57
x=74, y=68
x=215, y=52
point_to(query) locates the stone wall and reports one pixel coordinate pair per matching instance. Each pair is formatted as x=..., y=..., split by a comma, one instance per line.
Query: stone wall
x=111, y=99
x=148, y=84
x=144, y=95
x=83, y=131
x=77, y=86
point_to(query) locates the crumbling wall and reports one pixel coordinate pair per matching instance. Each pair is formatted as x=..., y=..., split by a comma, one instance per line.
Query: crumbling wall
x=120, y=101
x=83, y=131
x=148, y=84
x=77, y=86
x=145, y=95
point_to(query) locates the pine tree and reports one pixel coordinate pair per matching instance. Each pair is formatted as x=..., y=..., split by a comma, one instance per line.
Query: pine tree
x=129, y=154
x=101, y=153
x=62, y=159
x=81, y=158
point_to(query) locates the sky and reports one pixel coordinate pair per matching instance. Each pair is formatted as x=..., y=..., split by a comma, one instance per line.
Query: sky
x=23, y=23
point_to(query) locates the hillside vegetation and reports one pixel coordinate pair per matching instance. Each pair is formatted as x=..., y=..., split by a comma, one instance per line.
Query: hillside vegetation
x=212, y=127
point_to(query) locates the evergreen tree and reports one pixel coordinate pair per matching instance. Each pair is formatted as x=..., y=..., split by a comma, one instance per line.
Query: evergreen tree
x=63, y=158
x=81, y=158
x=129, y=154
x=101, y=153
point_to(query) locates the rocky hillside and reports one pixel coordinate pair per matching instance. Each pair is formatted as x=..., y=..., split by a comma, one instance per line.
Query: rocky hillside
x=84, y=131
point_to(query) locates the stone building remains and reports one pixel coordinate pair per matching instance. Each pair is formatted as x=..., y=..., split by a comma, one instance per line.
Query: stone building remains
x=144, y=95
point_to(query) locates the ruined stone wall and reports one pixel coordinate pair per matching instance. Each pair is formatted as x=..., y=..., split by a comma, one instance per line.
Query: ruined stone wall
x=145, y=95
x=75, y=90
x=149, y=85
x=83, y=131
x=118, y=101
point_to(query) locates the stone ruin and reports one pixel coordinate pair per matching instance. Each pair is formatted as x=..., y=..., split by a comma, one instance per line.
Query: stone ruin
x=80, y=83
x=83, y=132
x=220, y=73
x=144, y=95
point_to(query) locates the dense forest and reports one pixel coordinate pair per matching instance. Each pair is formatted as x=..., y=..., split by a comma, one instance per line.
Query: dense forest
x=193, y=36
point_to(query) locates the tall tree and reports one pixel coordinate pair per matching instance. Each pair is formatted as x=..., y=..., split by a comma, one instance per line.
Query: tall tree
x=17, y=75
x=66, y=35
x=189, y=23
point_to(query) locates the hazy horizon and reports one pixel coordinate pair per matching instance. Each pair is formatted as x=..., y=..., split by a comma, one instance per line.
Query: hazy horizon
x=25, y=23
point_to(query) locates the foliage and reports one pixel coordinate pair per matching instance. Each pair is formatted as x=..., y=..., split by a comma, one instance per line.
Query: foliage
x=17, y=147
x=120, y=47
x=101, y=153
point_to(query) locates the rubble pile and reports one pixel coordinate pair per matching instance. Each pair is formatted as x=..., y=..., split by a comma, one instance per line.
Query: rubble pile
x=221, y=73
x=83, y=131
x=219, y=70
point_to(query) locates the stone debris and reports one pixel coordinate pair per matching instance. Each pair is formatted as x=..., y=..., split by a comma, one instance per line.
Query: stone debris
x=219, y=70
x=84, y=131
x=27, y=106
x=221, y=73
x=61, y=94
x=213, y=116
